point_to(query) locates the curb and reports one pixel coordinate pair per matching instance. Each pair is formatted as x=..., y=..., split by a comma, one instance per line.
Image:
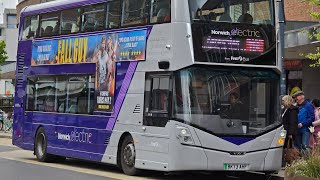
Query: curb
x=7, y=136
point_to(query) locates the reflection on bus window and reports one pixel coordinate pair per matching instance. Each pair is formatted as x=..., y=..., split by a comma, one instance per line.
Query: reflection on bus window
x=135, y=12
x=161, y=11
x=49, y=24
x=237, y=11
x=62, y=94
x=113, y=14
x=226, y=101
x=70, y=21
x=93, y=18
x=30, y=27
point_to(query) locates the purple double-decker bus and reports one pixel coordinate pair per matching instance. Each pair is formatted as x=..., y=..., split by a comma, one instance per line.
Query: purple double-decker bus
x=167, y=85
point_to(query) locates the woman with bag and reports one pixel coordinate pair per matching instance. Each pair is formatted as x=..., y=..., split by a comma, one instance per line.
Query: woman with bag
x=290, y=124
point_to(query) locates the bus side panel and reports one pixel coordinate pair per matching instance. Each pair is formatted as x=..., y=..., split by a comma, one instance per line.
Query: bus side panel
x=23, y=60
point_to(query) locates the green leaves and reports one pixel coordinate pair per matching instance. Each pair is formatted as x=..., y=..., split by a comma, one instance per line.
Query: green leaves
x=3, y=53
x=315, y=57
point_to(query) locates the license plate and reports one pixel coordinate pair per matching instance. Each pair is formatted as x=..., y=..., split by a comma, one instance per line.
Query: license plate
x=235, y=167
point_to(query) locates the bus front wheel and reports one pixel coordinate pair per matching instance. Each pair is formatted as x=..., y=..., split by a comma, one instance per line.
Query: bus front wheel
x=40, y=146
x=128, y=156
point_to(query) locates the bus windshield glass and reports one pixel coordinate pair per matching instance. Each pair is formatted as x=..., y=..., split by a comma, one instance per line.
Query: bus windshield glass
x=227, y=101
x=235, y=11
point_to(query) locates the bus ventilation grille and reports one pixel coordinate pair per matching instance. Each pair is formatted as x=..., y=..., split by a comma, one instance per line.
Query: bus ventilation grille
x=137, y=109
x=106, y=141
x=20, y=64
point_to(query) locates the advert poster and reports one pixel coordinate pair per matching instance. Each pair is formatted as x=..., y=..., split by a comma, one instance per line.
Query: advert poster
x=103, y=49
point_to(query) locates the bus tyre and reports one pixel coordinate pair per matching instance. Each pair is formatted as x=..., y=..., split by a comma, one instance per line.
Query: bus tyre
x=40, y=146
x=128, y=156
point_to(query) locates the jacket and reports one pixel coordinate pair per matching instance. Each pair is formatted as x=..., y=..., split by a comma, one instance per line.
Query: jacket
x=305, y=116
x=290, y=120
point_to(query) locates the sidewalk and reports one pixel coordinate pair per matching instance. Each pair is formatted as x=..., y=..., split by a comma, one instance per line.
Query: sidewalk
x=7, y=135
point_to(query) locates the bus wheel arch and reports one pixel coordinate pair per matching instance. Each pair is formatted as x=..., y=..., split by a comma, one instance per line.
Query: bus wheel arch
x=126, y=146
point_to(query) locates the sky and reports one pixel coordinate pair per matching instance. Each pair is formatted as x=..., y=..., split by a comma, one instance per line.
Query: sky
x=6, y=4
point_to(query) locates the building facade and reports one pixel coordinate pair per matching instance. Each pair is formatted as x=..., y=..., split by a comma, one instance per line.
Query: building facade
x=9, y=33
x=297, y=45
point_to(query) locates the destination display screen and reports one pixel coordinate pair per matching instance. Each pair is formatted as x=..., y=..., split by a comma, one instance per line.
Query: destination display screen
x=234, y=43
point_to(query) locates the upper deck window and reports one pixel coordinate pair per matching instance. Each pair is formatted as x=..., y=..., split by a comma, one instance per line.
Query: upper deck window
x=135, y=12
x=113, y=14
x=30, y=27
x=93, y=18
x=70, y=21
x=49, y=24
x=235, y=11
x=160, y=11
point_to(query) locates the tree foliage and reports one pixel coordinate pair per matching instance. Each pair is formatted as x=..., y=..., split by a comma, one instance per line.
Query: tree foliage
x=3, y=52
x=314, y=35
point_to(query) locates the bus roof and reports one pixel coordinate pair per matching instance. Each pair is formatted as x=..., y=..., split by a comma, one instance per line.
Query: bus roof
x=56, y=5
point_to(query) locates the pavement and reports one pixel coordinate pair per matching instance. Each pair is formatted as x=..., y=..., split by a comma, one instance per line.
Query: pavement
x=10, y=153
x=7, y=135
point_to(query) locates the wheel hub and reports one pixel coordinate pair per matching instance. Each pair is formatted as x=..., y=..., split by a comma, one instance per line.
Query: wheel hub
x=129, y=155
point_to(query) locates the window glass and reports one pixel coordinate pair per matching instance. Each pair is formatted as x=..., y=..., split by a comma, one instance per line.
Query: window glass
x=30, y=27
x=49, y=24
x=70, y=21
x=237, y=11
x=62, y=94
x=160, y=11
x=79, y=95
x=113, y=14
x=227, y=101
x=135, y=12
x=93, y=18
x=30, y=106
x=12, y=21
x=45, y=94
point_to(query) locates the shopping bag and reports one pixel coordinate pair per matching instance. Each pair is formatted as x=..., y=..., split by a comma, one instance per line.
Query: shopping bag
x=291, y=153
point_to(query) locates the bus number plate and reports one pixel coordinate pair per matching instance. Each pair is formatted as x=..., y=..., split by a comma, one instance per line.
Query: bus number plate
x=235, y=167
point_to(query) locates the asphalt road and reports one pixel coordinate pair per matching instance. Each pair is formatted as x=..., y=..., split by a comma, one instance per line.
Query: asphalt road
x=17, y=164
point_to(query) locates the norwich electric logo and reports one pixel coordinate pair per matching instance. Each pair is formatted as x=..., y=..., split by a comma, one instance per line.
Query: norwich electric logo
x=76, y=136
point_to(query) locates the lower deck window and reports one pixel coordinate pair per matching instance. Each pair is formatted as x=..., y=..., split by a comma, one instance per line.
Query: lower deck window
x=64, y=94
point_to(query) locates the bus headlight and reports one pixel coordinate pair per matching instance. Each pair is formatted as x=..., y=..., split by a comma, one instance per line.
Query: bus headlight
x=184, y=135
x=282, y=137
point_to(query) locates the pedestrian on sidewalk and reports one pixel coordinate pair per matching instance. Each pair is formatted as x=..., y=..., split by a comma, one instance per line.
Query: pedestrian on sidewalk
x=305, y=119
x=290, y=121
x=316, y=124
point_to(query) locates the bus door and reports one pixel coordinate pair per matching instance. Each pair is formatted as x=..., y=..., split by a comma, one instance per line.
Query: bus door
x=157, y=100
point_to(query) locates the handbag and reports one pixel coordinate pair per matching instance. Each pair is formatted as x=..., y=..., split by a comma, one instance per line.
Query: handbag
x=291, y=153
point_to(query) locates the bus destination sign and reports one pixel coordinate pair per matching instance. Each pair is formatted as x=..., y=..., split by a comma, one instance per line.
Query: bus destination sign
x=232, y=43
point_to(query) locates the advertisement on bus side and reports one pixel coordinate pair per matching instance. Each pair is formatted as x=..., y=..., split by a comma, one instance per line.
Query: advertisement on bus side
x=103, y=49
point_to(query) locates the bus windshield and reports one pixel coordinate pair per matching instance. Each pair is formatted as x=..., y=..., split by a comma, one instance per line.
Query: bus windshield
x=227, y=101
x=236, y=11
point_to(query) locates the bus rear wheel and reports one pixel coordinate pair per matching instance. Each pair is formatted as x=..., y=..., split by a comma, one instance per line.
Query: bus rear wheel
x=40, y=147
x=128, y=156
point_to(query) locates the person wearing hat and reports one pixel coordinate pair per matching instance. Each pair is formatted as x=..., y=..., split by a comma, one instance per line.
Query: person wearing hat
x=305, y=119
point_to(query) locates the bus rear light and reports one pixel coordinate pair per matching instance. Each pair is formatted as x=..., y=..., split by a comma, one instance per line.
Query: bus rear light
x=184, y=135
